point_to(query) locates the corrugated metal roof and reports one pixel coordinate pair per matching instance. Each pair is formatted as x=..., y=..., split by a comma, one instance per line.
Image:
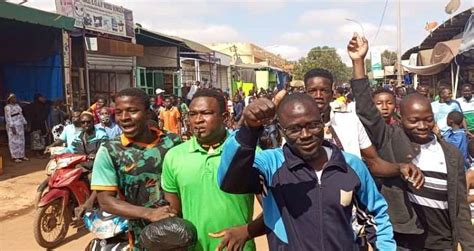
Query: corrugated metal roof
x=196, y=46
x=148, y=34
x=34, y=16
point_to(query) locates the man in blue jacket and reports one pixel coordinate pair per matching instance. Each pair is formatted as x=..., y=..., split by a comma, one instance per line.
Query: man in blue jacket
x=309, y=186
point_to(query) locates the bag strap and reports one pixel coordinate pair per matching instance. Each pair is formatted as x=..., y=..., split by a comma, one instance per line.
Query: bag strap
x=336, y=138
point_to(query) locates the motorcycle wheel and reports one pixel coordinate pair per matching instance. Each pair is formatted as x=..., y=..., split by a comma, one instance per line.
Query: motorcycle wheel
x=50, y=227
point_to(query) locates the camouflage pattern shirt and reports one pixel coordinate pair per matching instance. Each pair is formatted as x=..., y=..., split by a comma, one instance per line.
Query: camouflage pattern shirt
x=133, y=169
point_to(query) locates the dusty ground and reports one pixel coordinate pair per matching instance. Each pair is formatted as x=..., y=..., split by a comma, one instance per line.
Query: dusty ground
x=17, y=192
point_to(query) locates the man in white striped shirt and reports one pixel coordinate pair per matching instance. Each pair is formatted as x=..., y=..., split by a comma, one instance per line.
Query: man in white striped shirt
x=439, y=209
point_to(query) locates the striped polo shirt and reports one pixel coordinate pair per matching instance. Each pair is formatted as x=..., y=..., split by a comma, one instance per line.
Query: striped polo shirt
x=431, y=201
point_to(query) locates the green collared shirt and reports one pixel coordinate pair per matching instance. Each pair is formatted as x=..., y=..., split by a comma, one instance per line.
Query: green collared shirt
x=191, y=172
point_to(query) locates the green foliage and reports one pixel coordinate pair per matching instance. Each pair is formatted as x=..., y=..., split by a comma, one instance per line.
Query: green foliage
x=389, y=58
x=323, y=57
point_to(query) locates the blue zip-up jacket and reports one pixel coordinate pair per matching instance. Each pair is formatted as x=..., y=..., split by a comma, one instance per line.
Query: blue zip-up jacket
x=301, y=212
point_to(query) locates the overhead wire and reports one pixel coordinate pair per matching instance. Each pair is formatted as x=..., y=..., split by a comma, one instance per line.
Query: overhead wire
x=380, y=22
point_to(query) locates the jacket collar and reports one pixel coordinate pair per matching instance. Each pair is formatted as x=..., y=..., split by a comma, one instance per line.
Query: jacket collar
x=337, y=159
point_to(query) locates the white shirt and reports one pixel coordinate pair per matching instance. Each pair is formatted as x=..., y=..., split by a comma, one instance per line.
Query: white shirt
x=192, y=91
x=431, y=161
x=350, y=132
x=466, y=106
x=431, y=157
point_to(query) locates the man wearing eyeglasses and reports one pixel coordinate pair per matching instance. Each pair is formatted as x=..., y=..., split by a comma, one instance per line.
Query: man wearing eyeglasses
x=309, y=185
x=345, y=130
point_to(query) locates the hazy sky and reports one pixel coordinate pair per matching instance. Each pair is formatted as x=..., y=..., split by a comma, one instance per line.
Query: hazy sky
x=289, y=28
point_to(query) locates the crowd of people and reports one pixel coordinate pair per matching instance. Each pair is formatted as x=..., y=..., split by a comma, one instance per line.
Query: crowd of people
x=333, y=168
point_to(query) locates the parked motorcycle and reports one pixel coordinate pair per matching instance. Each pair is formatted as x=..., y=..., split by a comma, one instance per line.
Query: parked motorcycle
x=50, y=168
x=67, y=188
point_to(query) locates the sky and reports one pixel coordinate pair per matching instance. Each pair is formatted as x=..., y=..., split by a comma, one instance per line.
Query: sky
x=287, y=28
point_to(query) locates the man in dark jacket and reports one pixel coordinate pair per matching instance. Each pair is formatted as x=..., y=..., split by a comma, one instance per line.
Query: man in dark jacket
x=435, y=217
x=309, y=186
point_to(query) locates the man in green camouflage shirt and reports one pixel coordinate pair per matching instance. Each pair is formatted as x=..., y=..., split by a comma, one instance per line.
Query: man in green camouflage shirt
x=131, y=165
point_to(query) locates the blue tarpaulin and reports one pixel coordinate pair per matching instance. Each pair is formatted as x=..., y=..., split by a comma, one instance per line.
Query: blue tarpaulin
x=42, y=76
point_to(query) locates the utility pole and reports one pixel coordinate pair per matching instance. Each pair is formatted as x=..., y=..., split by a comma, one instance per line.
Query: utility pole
x=399, y=44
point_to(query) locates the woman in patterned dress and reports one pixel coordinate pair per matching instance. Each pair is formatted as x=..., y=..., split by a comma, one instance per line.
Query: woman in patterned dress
x=15, y=123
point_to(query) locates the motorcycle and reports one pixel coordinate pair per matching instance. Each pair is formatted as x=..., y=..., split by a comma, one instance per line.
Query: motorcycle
x=67, y=188
x=50, y=168
x=109, y=231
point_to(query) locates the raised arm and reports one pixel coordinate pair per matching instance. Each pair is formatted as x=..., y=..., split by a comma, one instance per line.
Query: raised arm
x=240, y=171
x=236, y=172
x=365, y=107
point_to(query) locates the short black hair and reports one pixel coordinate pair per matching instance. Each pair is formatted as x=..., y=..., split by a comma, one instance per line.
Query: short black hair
x=466, y=85
x=382, y=90
x=135, y=92
x=318, y=72
x=456, y=117
x=340, y=90
x=100, y=96
x=212, y=93
x=296, y=97
x=444, y=87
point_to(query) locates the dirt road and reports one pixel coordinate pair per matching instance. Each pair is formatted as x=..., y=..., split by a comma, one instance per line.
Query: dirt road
x=17, y=193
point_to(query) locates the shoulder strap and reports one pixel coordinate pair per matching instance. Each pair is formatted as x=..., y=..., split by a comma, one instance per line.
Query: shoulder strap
x=336, y=138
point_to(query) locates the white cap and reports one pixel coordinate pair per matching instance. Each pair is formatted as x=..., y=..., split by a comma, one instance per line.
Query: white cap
x=159, y=91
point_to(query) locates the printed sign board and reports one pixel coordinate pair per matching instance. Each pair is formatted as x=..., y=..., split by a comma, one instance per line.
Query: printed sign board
x=97, y=15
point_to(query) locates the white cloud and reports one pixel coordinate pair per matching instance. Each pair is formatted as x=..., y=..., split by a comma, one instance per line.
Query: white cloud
x=286, y=51
x=205, y=33
x=344, y=56
x=261, y=6
x=324, y=17
x=386, y=35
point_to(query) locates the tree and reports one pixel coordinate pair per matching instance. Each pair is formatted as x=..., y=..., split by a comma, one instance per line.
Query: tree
x=368, y=65
x=389, y=58
x=323, y=57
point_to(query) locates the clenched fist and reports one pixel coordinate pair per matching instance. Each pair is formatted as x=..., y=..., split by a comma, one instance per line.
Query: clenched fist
x=262, y=111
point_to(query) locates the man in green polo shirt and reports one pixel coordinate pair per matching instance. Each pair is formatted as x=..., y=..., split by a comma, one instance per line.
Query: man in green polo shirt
x=131, y=165
x=189, y=180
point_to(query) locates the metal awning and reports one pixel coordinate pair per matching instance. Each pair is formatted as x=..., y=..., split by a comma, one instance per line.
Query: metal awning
x=197, y=47
x=441, y=56
x=20, y=13
x=152, y=38
x=446, y=31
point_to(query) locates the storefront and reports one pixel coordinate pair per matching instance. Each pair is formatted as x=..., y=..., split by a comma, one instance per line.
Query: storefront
x=159, y=66
x=441, y=58
x=31, y=55
x=103, y=52
x=110, y=65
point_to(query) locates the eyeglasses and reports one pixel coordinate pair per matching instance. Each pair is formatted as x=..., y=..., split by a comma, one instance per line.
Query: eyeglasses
x=86, y=121
x=296, y=130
